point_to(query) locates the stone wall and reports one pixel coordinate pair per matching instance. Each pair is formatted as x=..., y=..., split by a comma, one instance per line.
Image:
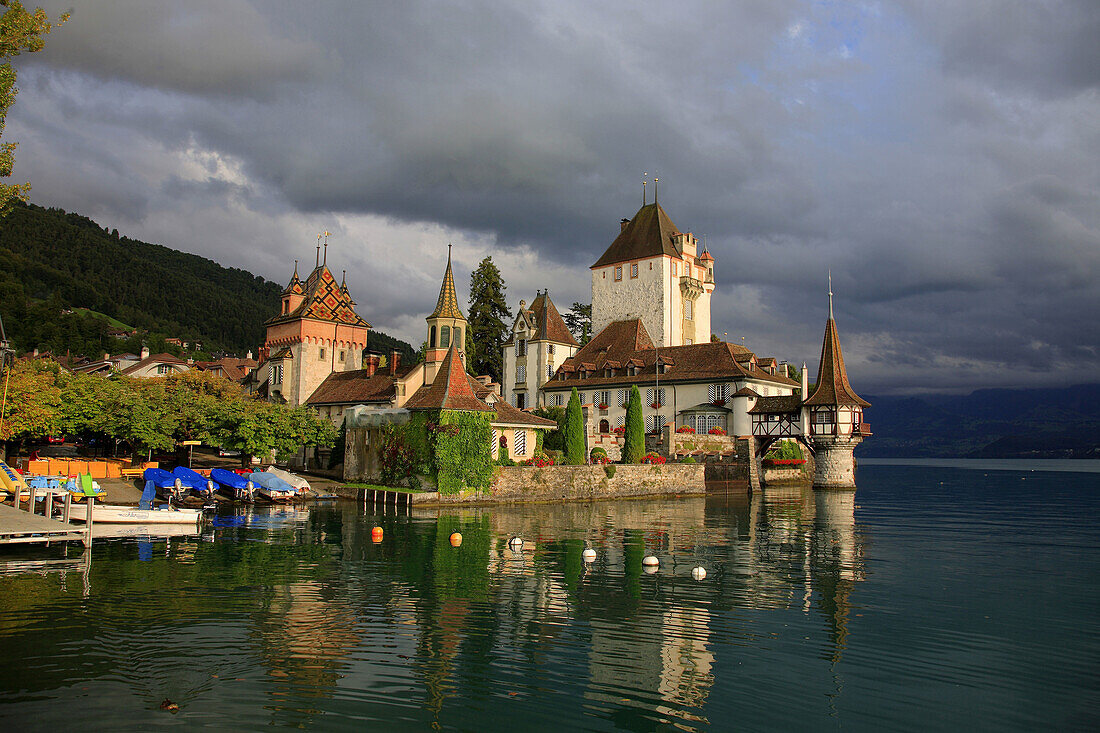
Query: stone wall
x=835, y=466
x=676, y=444
x=582, y=483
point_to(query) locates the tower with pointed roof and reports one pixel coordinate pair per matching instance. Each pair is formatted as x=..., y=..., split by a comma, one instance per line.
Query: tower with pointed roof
x=446, y=326
x=657, y=273
x=835, y=415
x=316, y=332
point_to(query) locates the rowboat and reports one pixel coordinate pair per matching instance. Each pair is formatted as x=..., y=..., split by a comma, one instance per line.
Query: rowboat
x=271, y=487
x=112, y=514
x=237, y=486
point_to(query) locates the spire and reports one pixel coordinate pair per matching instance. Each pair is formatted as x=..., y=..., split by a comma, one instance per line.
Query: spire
x=318, y=263
x=833, y=387
x=447, y=305
x=645, y=178
x=830, y=293
x=295, y=284
x=325, y=261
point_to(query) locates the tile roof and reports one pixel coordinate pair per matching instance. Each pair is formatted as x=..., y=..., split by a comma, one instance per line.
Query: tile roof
x=781, y=405
x=832, y=378
x=323, y=301
x=549, y=323
x=648, y=234
x=452, y=389
x=355, y=386
x=447, y=305
x=295, y=285
x=627, y=341
x=508, y=415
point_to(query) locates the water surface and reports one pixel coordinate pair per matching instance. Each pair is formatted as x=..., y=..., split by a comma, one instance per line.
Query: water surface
x=934, y=597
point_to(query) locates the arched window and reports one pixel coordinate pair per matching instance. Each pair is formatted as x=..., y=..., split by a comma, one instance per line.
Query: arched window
x=444, y=336
x=431, y=338
x=458, y=337
x=605, y=426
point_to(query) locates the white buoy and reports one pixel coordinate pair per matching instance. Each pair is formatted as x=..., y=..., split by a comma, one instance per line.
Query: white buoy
x=589, y=555
x=649, y=561
x=699, y=572
x=650, y=569
x=515, y=544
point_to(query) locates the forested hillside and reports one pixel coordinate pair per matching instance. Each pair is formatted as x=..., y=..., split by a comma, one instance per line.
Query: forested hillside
x=52, y=261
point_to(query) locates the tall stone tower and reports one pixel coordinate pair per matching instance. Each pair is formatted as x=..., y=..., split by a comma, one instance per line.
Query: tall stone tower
x=835, y=416
x=654, y=272
x=317, y=332
x=446, y=326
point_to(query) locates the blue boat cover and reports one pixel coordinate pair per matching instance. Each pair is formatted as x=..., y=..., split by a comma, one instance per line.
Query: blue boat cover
x=160, y=477
x=148, y=495
x=228, y=478
x=190, y=478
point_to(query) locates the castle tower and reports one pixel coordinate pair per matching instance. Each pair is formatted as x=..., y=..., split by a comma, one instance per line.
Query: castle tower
x=446, y=326
x=655, y=272
x=317, y=332
x=835, y=415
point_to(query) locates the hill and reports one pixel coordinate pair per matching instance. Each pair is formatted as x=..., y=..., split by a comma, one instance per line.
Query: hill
x=988, y=423
x=52, y=261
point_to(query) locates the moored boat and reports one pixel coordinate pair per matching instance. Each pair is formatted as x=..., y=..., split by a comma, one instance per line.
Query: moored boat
x=233, y=484
x=299, y=483
x=271, y=487
x=166, y=484
x=199, y=484
x=112, y=514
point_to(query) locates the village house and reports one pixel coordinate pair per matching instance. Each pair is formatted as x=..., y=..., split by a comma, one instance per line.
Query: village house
x=156, y=365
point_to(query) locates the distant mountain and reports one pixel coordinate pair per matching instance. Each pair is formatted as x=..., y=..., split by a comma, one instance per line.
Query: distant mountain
x=52, y=262
x=988, y=423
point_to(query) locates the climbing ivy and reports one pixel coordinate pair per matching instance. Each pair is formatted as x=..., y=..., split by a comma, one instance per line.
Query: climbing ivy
x=462, y=456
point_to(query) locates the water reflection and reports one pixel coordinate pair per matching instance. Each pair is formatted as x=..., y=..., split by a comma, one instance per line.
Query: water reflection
x=292, y=613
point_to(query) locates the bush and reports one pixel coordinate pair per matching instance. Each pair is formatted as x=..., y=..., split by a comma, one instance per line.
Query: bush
x=785, y=449
x=688, y=459
x=609, y=469
x=597, y=452
x=685, y=429
x=505, y=461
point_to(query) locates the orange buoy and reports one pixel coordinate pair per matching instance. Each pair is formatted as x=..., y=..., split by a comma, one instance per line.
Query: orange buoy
x=456, y=539
x=376, y=535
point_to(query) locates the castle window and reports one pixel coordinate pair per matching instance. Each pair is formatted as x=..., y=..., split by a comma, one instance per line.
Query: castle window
x=276, y=373
x=321, y=354
x=286, y=306
x=521, y=374
x=444, y=336
x=549, y=370
x=605, y=426
x=624, y=397
x=550, y=349
x=458, y=337
x=687, y=310
x=521, y=400
x=341, y=356
x=718, y=392
x=619, y=272
x=555, y=399
x=163, y=369
x=654, y=423
x=634, y=270
x=602, y=398
x=521, y=347
x=431, y=338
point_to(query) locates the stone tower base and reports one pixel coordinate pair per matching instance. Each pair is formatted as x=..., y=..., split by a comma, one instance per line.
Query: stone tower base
x=834, y=464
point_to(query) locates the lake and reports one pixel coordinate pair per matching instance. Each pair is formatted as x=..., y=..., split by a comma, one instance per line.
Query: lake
x=935, y=597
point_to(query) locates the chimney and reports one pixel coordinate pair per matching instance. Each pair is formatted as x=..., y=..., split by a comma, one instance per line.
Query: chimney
x=144, y=352
x=248, y=354
x=395, y=359
x=623, y=223
x=805, y=382
x=370, y=363
x=35, y=354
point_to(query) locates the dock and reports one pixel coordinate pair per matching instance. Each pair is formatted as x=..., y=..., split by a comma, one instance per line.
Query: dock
x=18, y=526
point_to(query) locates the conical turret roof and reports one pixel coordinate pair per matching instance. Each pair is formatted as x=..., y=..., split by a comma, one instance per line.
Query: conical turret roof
x=295, y=285
x=451, y=389
x=833, y=387
x=447, y=305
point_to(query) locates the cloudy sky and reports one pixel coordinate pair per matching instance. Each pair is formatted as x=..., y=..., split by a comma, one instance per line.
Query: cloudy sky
x=941, y=157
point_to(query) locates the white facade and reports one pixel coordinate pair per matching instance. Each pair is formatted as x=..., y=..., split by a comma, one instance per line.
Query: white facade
x=530, y=359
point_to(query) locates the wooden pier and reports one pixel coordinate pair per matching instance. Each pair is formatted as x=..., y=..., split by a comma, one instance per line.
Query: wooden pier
x=380, y=498
x=18, y=526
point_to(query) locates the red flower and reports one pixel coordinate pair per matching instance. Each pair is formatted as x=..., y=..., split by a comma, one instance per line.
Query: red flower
x=717, y=431
x=620, y=430
x=685, y=429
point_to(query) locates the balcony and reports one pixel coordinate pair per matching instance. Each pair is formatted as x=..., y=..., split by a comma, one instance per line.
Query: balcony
x=691, y=287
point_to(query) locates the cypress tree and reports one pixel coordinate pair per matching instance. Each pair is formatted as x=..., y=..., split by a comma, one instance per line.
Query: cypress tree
x=634, y=437
x=574, y=431
x=487, y=329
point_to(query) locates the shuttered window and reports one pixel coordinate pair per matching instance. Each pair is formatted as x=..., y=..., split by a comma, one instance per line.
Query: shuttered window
x=521, y=443
x=624, y=397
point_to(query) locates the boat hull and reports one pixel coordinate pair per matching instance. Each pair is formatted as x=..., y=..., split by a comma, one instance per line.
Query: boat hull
x=111, y=514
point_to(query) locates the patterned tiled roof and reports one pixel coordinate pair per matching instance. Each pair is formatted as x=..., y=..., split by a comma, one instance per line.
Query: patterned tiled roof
x=324, y=301
x=648, y=234
x=295, y=285
x=447, y=305
x=832, y=378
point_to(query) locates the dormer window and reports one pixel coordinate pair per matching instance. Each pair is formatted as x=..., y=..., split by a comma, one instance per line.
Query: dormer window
x=286, y=306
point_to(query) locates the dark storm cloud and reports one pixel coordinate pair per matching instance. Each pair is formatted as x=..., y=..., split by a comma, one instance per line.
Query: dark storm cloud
x=939, y=158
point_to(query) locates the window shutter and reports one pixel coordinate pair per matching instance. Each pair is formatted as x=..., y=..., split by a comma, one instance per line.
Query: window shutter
x=624, y=397
x=521, y=443
x=495, y=448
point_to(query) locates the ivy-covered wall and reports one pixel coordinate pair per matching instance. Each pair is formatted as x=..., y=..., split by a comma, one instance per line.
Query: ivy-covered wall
x=462, y=444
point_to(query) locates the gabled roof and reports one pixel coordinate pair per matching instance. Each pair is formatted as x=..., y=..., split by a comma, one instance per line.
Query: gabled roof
x=549, y=325
x=453, y=389
x=447, y=305
x=832, y=378
x=357, y=386
x=648, y=234
x=323, y=301
x=154, y=359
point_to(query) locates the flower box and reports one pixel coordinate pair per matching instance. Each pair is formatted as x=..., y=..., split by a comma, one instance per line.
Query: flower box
x=719, y=403
x=656, y=405
x=620, y=430
x=654, y=459
x=716, y=431
x=603, y=405
x=685, y=429
x=784, y=461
